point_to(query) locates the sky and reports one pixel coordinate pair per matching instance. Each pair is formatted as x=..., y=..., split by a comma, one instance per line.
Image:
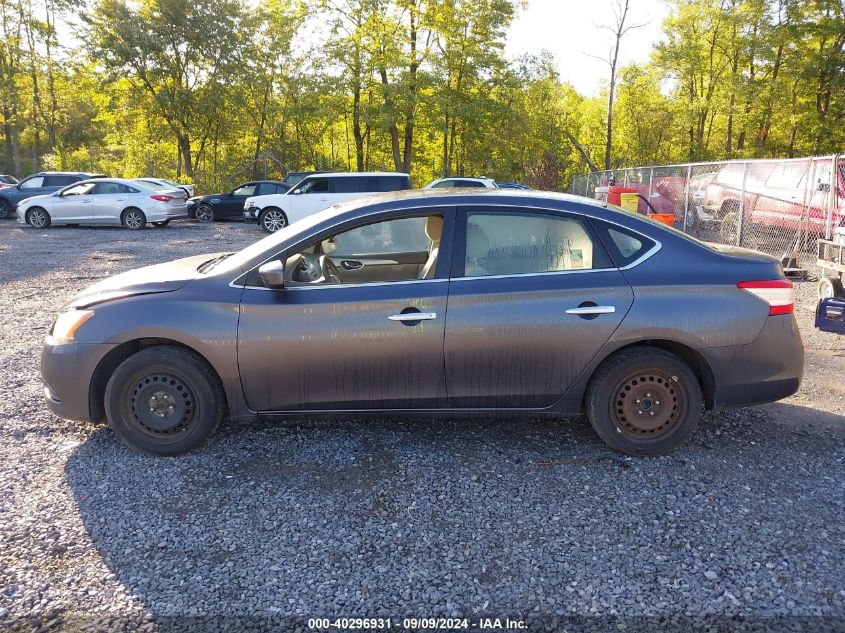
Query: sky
x=569, y=29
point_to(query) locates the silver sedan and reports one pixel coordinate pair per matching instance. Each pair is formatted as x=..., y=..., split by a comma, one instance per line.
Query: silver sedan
x=105, y=201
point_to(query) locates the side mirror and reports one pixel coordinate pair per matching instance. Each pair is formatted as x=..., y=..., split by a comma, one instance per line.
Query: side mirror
x=273, y=274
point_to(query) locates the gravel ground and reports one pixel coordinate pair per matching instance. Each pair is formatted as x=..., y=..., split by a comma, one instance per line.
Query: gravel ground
x=272, y=524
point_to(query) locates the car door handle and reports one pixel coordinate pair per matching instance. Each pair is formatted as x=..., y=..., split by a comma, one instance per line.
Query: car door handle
x=85, y=201
x=351, y=264
x=120, y=199
x=413, y=316
x=591, y=310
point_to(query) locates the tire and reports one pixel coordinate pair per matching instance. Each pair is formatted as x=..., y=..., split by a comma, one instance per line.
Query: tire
x=182, y=402
x=729, y=220
x=204, y=214
x=161, y=224
x=6, y=209
x=134, y=219
x=38, y=218
x=272, y=219
x=830, y=287
x=629, y=397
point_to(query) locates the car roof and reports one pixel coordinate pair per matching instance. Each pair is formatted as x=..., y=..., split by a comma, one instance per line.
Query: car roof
x=348, y=174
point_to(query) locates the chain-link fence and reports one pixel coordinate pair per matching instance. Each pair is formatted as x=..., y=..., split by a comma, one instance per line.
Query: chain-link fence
x=777, y=206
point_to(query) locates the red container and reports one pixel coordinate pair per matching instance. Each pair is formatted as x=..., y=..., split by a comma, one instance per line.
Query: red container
x=615, y=192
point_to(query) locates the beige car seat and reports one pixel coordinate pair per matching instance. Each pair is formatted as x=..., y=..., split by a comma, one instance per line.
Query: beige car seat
x=433, y=230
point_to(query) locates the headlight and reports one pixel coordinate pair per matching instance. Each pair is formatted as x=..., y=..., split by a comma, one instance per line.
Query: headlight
x=249, y=204
x=66, y=325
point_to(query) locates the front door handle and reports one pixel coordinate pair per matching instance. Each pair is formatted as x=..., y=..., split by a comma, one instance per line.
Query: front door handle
x=120, y=199
x=413, y=316
x=85, y=201
x=351, y=264
x=591, y=310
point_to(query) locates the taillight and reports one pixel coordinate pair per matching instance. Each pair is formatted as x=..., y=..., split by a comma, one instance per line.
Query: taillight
x=162, y=198
x=778, y=293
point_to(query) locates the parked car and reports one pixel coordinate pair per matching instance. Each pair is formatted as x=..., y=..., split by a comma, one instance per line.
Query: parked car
x=511, y=185
x=426, y=303
x=224, y=206
x=104, y=201
x=448, y=183
x=317, y=192
x=782, y=195
x=7, y=181
x=294, y=177
x=168, y=184
x=36, y=185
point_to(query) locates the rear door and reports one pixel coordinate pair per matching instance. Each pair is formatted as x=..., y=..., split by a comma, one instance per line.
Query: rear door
x=109, y=199
x=533, y=298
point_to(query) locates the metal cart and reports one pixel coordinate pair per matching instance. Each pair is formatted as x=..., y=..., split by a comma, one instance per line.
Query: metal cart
x=830, y=257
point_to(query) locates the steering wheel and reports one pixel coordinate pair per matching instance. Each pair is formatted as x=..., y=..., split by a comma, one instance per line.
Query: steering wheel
x=330, y=271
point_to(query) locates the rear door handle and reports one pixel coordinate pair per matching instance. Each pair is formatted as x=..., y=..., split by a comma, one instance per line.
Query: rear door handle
x=120, y=199
x=591, y=310
x=413, y=316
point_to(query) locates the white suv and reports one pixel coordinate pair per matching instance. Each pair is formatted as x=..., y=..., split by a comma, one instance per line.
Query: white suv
x=317, y=192
x=443, y=183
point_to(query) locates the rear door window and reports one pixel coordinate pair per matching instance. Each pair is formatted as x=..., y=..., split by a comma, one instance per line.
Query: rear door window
x=60, y=181
x=110, y=188
x=390, y=183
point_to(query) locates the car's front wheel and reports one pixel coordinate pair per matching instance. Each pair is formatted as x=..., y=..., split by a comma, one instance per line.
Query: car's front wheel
x=164, y=401
x=204, y=214
x=6, y=209
x=272, y=219
x=644, y=401
x=38, y=218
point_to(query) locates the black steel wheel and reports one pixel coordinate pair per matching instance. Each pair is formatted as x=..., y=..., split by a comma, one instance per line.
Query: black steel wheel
x=644, y=401
x=164, y=401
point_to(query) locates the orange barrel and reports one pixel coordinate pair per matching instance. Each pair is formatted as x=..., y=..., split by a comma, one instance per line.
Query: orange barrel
x=665, y=218
x=614, y=194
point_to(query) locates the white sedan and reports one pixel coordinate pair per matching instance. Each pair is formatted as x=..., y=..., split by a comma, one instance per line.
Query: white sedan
x=104, y=201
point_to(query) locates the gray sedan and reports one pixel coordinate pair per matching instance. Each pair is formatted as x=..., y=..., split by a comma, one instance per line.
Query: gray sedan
x=105, y=201
x=433, y=303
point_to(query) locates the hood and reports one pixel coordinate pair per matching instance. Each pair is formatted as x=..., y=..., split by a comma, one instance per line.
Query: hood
x=206, y=197
x=32, y=199
x=165, y=277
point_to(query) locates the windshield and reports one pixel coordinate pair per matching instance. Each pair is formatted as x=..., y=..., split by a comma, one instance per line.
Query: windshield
x=270, y=243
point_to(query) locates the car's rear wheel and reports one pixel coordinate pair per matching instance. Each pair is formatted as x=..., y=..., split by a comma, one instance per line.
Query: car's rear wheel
x=164, y=401
x=134, y=219
x=644, y=401
x=728, y=223
x=38, y=218
x=204, y=214
x=6, y=209
x=161, y=224
x=830, y=287
x=272, y=219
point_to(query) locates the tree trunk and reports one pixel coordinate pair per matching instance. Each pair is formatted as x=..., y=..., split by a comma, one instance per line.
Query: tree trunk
x=356, y=127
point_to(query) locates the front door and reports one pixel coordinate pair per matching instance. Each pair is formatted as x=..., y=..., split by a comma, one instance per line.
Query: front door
x=537, y=298
x=75, y=204
x=327, y=343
